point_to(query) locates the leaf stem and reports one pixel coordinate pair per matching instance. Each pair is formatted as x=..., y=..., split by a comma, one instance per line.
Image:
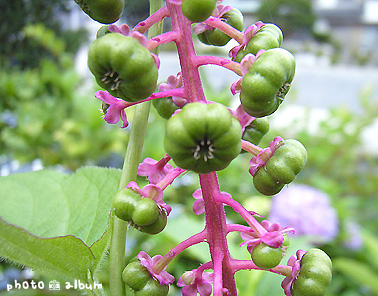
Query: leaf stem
x=129, y=173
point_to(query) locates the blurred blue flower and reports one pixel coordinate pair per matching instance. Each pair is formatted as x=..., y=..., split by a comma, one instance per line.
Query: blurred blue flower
x=307, y=210
x=354, y=240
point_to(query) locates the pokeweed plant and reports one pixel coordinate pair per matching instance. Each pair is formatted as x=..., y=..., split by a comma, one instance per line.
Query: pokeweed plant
x=200, y=136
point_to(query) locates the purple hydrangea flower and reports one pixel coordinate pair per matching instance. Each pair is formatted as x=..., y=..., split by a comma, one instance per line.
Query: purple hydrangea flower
x=307, y=210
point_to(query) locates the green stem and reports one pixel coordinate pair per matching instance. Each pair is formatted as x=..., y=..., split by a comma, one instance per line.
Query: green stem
x=129, y=173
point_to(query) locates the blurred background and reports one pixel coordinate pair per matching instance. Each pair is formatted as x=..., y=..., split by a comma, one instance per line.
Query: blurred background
x=49, y=118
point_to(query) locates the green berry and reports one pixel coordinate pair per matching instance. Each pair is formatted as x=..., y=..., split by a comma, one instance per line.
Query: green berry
x=123, y=67
x=215, y=36
x=165, y=107
x=269, y=36
x=124, y=203
x=266, y=257
x=267, y=82
x=103, y=11
x=146, y=212
x=282, y=167
x=135, y=275
x=315, y=274
x=153, y=288
x=198, y=10
x=203, y=137
x=256, y=130
x=142, y=212
x=157, y=226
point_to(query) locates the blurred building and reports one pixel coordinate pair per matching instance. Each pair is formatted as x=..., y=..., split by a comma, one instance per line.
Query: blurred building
x=353, y=24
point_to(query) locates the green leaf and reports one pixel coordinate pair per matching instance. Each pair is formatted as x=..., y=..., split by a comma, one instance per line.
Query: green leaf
x=66, y=255
x=371, y=245
x=57, y=223
x=357, y=272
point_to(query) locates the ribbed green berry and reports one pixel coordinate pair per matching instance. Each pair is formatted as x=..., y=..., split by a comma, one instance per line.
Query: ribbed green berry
x=282, y=167
x=267, y=82
x=157, y=226
x=124, y=203
x=315, y=274
x=203, y=137
x=123, y=67
x=256, y=130
x=146, y=212
x=269, y=36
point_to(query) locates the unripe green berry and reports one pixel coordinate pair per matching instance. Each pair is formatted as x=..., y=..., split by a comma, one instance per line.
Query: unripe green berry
x=103, y=11
x=266, y=257
x=198, y=10
x=215, y=36
x=157, y=226
x=203, y=137
x=315, y=274
x=256, y=130
x=153, y=288
x=124, y=203
x=146, y=212
x=135, y=275
x=165, y=107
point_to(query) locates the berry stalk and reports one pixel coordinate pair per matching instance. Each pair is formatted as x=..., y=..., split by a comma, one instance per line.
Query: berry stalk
x=129, y=173
x=189, y=69
x=216, y=227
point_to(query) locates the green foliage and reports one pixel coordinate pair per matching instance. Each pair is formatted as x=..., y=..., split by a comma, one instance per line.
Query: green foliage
x=339, y=165
x=47, y=117
x=24, y=52
x=55, y=223
x=290, y=16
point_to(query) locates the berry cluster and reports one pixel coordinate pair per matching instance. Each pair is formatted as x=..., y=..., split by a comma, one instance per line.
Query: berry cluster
x=204, y=137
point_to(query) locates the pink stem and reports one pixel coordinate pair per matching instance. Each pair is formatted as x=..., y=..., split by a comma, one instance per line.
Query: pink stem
x=176, y=92
x=216, y=227
x=158, y=16
x=247, y=216
x=161, y=39
x=251, y=148
x=248, y=264
x=243, y=265
x=168, y=257
x=189, y=70
x=170, y=177
x=203, y=267
x=219, y=61
x=225, y=28
x=217, y=263
x=238, y=228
